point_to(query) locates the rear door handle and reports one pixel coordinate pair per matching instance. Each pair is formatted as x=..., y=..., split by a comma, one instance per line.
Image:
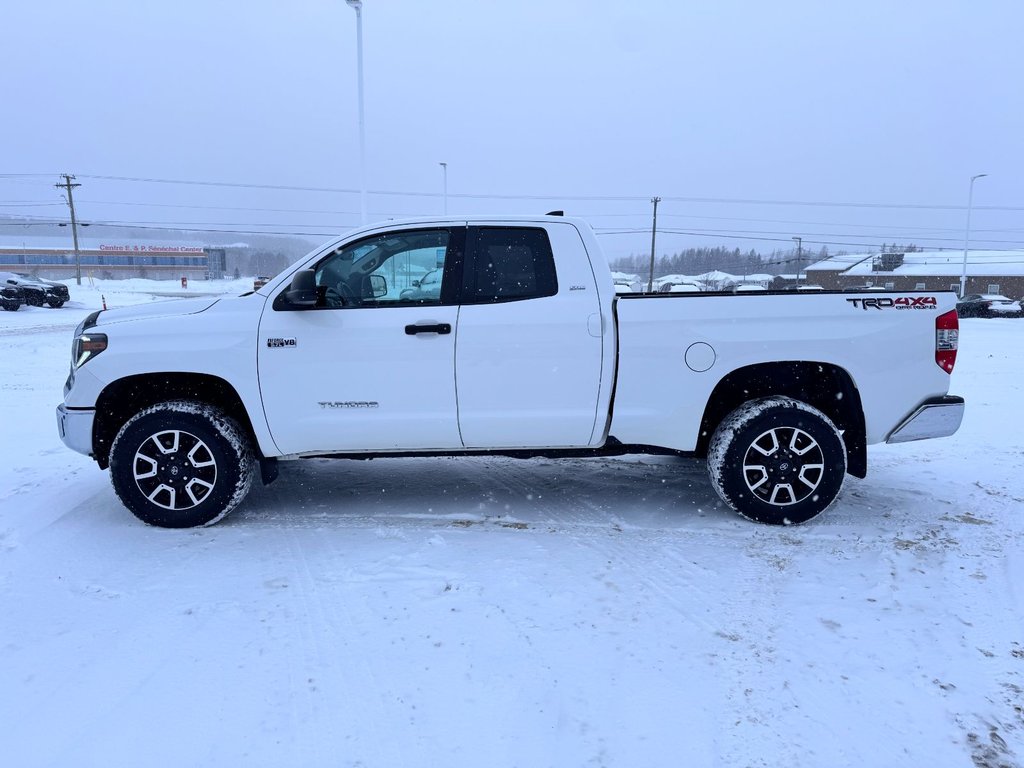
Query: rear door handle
x=412, y=330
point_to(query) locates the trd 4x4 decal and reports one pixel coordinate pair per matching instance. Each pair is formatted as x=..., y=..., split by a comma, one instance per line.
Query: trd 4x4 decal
x=903, y=302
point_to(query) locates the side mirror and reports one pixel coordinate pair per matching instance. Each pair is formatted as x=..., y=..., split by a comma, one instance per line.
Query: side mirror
x=302, y=292
x=378, y=286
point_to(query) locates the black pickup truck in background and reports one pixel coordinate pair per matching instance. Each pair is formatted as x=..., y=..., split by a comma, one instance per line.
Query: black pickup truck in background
x=11, y=297
x=37, y=291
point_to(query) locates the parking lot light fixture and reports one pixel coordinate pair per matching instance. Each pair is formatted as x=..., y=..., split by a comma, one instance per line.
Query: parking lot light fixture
x=357, y=6
x=967, y=233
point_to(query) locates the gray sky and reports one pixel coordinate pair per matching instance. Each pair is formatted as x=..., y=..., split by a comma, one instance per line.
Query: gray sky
x=877, y=102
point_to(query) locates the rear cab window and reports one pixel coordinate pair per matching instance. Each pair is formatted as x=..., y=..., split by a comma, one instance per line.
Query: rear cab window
x=508, y=264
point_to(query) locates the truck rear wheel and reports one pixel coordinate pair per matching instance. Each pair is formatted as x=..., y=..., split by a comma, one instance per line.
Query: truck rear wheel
x=777, y=461
x=181, y=464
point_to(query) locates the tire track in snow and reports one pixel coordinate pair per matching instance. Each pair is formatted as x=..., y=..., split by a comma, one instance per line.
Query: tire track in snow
x=598, y=526
x=754, y=693
x=33, y=330
x=319, y=626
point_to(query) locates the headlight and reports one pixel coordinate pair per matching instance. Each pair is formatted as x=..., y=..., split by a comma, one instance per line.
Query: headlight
x=86, y=346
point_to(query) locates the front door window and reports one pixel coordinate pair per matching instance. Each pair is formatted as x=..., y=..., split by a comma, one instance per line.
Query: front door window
x=394, y=269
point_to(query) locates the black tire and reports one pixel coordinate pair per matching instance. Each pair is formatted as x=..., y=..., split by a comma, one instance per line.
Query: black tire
x=181, y=464
x=55, y=304
x=777, y=461
x=11, y=306
x=33, y=299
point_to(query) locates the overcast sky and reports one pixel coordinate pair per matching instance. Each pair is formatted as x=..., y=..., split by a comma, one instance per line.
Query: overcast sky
x=539, y=104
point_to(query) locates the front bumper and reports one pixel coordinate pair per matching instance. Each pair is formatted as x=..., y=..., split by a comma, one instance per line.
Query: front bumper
x=935, y=417
x=75, y=428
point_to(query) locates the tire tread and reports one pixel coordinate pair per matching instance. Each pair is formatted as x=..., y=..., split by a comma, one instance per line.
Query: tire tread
x=240, y=459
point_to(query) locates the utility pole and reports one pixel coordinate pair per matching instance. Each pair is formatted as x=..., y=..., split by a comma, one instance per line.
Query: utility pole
x=799, y=257
x=654, y=233
x=67, y=186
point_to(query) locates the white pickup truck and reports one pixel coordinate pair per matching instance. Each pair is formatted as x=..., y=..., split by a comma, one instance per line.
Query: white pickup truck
x=501, y=336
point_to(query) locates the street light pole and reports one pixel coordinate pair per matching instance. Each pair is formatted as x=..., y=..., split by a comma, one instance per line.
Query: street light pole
x=967, y=233
x=357, y=5
x=444, y=167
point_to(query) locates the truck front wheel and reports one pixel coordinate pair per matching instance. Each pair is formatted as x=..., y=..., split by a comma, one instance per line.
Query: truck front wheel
x=777, y=460
x=181, y=464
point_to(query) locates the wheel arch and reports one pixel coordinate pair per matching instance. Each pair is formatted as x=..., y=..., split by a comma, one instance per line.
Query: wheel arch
x=826, y=386
x=122, y=399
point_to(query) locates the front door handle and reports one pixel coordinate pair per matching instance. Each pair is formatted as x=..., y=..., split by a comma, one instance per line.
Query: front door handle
x=412, y=330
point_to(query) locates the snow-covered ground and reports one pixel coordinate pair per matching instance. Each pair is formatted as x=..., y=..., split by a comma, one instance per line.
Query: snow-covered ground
x=493, y=612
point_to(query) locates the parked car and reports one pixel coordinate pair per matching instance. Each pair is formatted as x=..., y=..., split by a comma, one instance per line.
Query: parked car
x=11, y=297
x=987, y=305
x=685, y=287
x=37, y=291
x=427, y=287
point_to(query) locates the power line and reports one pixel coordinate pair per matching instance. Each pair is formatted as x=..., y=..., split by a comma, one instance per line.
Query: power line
x=333, y=233
x=756, y=234
x=750, y=237
x=225, y=208
x=331, y=228
x=186, y=224
x=17, y=204
x=610, y=198
x=698, y=217
x=241, y=185
x=768, y=235
x=704, y=217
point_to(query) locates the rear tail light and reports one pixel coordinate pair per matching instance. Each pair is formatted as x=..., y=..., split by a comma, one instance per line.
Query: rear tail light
x=947, y=339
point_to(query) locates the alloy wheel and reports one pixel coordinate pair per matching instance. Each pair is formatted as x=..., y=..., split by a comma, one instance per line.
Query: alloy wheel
x=174, y=469
x=783, y=466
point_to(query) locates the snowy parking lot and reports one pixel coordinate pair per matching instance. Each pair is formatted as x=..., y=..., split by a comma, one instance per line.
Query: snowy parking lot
x=494, y=612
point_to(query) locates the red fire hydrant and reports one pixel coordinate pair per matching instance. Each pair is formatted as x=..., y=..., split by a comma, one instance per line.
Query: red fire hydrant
x=184, y=281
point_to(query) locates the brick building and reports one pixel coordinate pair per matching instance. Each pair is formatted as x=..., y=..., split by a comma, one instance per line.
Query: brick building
x=987, y=271
x=54, y=258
